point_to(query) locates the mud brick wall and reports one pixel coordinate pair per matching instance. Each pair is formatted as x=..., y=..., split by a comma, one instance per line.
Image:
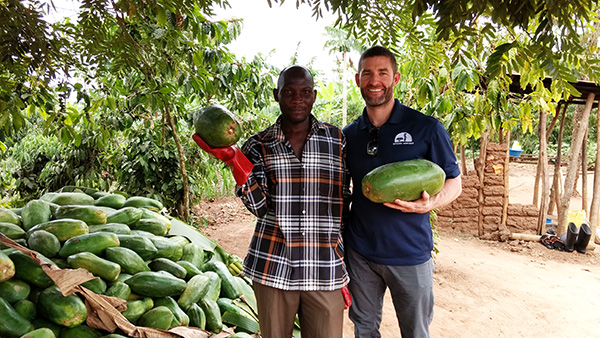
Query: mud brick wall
x=465, y=213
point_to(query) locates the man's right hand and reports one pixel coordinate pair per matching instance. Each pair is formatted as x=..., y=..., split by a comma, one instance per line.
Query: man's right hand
x=240, y=165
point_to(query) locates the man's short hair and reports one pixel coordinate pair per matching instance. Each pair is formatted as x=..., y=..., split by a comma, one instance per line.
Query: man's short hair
x=297, y=67
x=378, y=51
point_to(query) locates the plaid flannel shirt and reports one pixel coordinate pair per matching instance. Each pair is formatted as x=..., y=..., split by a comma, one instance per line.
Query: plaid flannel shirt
x=297, y=243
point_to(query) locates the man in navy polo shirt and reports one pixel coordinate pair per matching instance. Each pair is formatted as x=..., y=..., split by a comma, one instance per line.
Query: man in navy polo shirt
x=389, y=245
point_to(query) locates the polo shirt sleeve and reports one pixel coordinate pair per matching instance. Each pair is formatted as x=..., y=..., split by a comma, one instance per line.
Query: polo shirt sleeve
x=442, y=152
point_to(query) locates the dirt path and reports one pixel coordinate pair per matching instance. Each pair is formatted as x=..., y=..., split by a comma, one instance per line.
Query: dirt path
x=482, y=288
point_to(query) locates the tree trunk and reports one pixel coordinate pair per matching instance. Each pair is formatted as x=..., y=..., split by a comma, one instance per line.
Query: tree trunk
x=480, y=167
x=463, y=160
x=595, y=207
x=584, y=178
x=557, y=181
x=543, y=169
x=185, y=215
x=505, y=200
x=345, y=90
x=536, y=183
x=579, y=127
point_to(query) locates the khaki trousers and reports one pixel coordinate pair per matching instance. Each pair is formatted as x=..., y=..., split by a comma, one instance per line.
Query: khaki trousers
x=321, y=313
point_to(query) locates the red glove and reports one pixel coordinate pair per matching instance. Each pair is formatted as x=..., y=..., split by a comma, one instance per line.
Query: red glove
x=347, y=297
x=240, y=165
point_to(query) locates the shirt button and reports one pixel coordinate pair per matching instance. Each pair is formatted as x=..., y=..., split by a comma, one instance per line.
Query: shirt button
x=302, y=233
x=303, y=212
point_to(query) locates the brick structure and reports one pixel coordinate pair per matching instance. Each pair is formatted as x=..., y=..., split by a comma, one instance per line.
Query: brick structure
x=483, y=203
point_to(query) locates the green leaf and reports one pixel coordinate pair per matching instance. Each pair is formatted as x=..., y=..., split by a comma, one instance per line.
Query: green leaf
x=161, y=16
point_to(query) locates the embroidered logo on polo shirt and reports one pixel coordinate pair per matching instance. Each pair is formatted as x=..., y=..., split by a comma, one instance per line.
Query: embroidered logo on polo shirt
x=403, y=138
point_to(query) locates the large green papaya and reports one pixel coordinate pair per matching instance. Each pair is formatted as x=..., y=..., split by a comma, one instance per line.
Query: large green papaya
x=404, y=180
x=9, y=216
x=35, y=212
x=12, y=324
x=88, y=213
x=67, y=311
x=217, y=126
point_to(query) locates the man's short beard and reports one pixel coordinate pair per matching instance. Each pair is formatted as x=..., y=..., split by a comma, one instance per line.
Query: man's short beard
x=379, y=101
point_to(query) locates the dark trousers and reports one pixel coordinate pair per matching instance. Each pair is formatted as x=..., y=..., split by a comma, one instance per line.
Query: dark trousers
x=411, y=288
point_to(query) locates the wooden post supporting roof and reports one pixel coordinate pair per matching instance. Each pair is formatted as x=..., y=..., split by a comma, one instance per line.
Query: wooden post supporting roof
x=579, y=126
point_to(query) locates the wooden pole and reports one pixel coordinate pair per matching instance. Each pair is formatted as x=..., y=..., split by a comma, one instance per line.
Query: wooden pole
x=506, y=187
x=526, y=237
x=463, y=160
x=584, y=178
x=538, y=174
x=595, y=206
x=579, y=126
x=481, y=172
x=543, y=159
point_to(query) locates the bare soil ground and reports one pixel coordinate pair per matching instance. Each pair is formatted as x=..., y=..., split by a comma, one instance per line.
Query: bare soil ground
x=482, y=288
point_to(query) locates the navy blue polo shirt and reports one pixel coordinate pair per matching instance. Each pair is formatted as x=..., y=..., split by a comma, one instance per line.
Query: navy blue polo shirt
x=381, y=234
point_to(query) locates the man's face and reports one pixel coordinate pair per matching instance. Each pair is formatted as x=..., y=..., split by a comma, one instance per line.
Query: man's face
x=296, y=95
x=376, y=80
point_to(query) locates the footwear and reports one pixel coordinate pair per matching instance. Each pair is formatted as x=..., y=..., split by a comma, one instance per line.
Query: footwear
x=585, y=233
x=570, y=237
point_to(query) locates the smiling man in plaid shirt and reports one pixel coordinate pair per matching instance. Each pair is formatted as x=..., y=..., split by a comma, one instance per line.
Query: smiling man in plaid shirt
x=298, y=190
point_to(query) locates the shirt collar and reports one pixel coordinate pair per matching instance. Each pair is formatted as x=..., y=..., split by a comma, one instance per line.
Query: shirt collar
x=395, y=117
x=277, y=133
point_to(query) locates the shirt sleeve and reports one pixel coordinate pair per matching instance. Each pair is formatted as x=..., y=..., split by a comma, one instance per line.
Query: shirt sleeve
x=252, y=194
x=442, y=152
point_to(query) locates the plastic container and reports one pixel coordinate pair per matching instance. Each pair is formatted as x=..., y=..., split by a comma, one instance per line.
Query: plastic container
x=514, y=153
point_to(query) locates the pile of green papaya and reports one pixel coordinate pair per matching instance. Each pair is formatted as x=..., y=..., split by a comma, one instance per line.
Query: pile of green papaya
x=168, y=273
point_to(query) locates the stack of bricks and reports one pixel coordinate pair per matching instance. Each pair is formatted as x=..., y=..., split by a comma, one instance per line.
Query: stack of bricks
x=465, y=213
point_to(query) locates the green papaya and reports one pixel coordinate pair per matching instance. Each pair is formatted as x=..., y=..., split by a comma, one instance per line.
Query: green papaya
x=96, y=265
x=117, y=228
x=115, y=201
x=44, y=242
x=81, y=331
x=217, y=126
x=95, y=243
x=119, y=290
x=12, y=323
x=72, y=198
x=166, y=248
x=164, y=264
x=140, y=244
x=156, y=284
x=67, y=311
x=63, y=229
x=96, y=285
x=35, y=212
x=90, y=214
x=136, y=308
x=9, y=216
x=27, y=270
x=125, y=215
x=11, y=230
x=404, y=180
x=197, y=316
x=159, y=317
x=26, y=308
x=14, y=290
x=7, y=267
x=180, y=318
x=154, y=226
x=42, y=332
x=128, y=259
x=143, y=202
